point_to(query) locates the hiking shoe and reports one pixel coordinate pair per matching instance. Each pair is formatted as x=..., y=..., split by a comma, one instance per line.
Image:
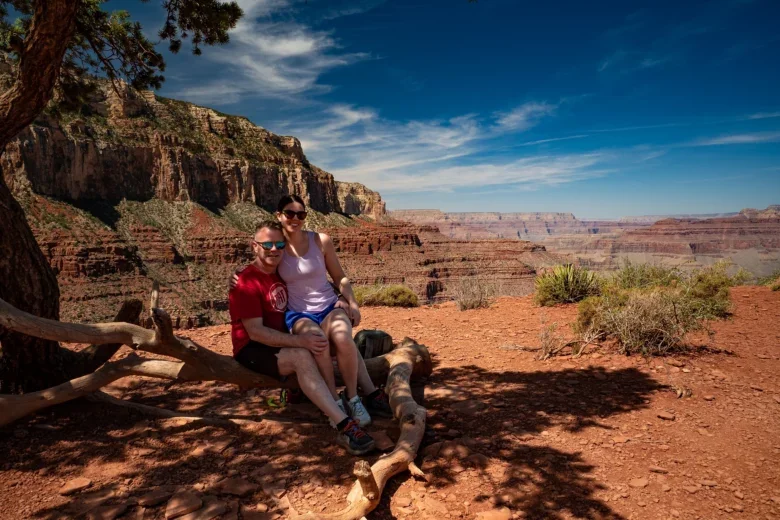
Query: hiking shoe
x=356, y=410
x=342, y=404
x=378, y=404
x=294, y=396
x=354, y=438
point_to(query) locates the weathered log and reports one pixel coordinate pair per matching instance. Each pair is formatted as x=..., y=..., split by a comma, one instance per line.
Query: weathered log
x=365, y=495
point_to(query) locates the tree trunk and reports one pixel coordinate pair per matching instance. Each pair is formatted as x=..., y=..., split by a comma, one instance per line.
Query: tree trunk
x=26, y=279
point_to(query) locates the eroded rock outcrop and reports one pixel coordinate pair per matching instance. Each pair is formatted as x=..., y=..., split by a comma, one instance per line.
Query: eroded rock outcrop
x=136, y=146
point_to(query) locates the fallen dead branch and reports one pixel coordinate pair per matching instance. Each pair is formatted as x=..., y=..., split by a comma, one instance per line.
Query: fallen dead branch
x=397, y=368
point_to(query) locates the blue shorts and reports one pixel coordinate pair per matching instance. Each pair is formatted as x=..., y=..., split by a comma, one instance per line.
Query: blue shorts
x=290, y=317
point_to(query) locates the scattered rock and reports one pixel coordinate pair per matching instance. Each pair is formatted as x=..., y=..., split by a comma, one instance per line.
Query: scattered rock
x=75, y=485
x=478, y=460
x=495, y=514
x=468, y=407
x=657, y=469
x=108, y=512
x=182, y=503
x=382, y=441
x=153, y=498
x=777, y=399
x=431, y=505
x=666, y=488
x=691, y=489
x=432, y=450
x=666, y=416
x=212, y=508
x=620, y=439
x=638, y=483
x=756, y=388
x=402, y=501
x=709, y=397
x=275, y=489
x=675, y=362
x=237, y=487
x=740, y=495
x=453, y=450
x=708, y=483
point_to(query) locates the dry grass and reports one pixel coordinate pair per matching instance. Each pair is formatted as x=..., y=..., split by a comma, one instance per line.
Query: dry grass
x=386, y=295
x=476, y=292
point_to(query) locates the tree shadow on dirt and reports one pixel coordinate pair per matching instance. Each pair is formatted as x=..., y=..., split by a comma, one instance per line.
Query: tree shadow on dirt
x=501, y=415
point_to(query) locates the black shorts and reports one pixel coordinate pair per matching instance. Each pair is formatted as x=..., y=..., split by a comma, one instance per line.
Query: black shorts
x=261, y=358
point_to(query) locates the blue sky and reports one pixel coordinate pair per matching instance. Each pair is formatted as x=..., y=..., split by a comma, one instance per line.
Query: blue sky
x=598, y=108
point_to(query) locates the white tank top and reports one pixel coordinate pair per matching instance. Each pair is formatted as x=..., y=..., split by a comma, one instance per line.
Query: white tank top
x=306, y=277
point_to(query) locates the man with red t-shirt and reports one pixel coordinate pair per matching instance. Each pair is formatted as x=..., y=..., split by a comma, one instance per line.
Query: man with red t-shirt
x=261, y=341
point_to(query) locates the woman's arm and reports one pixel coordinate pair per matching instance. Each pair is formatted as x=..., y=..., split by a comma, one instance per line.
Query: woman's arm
x=336, y=273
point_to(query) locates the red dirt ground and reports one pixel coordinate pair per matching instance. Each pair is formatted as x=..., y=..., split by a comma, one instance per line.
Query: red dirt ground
x=565, y=438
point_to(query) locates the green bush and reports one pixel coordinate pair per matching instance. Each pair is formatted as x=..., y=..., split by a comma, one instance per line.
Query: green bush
x=773, y=280
x=642, y=276
x=475, y=292
x=565, y=284
x=649, y=310
x=386, y=295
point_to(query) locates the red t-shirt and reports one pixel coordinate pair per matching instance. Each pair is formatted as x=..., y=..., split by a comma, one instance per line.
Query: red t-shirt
x=257, y=295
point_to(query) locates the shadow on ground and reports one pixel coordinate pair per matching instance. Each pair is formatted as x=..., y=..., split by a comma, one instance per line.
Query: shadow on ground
x=501, y=415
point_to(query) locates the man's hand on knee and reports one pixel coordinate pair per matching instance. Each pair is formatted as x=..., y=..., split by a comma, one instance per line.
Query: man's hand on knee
x=316, y=342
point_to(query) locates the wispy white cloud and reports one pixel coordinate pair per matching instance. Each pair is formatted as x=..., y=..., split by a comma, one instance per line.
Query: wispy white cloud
x=554, y=139
x=525, y=116
x=759, y=137
x=271, y=59
x=764, y=115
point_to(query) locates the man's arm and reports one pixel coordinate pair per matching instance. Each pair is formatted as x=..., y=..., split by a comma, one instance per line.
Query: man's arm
x=274, y=338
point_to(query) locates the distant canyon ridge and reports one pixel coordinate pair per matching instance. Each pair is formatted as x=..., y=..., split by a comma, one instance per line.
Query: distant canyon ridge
x=750, y=239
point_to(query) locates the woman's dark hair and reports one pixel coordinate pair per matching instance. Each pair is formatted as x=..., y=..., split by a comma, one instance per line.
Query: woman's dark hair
x=289, y=199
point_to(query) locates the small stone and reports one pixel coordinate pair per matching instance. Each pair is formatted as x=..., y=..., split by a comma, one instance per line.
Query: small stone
x=777, y=399
x=382, y=441
x=691, y=489
x=75, y=485
x=708, y=483
x=107, y=512
x=431, y=505
x=666, y=416
x=738, y=507
x=469, y=407
x=666, y=488
x=237, y=487
x=675, y=513
x=182, y=503
x=275, y=489
x=212, y=508
x=675, y=363
x=704, y=432
x=478, y=460
x=709, y=397
x=638, y=483
x=432, y=450
x=739, y=494
x=620, y=439
x=657, y=469
x=261, y=507
x=756, y=388
x=495, y=514
x=153, y=498
x=403, y=501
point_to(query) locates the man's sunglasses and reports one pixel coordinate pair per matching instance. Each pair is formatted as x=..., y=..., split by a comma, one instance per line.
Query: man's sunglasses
x=290, y=214
x=269, y=245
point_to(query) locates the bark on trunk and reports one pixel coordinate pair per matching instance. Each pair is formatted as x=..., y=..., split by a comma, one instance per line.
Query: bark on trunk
x=26, y=279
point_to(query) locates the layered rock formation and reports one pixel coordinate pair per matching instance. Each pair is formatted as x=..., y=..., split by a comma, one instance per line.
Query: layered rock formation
x=137, y=146
x=749, y=238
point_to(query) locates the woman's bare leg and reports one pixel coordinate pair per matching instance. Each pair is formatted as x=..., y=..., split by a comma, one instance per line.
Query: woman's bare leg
x=338, y=329
x=323, y=359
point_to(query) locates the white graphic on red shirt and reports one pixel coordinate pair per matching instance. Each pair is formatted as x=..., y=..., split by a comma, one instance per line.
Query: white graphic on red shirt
x=278, y=297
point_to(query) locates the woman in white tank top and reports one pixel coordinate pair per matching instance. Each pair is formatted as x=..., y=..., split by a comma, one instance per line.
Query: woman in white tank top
x=314, y=308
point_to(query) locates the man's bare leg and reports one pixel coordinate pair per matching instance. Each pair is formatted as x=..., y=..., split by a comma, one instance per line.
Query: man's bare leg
x=301, y=362
x=323, y=360
x=339, y=331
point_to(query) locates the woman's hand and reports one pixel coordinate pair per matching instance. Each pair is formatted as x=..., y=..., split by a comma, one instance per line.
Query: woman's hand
x=233, y=280
x=354, y=314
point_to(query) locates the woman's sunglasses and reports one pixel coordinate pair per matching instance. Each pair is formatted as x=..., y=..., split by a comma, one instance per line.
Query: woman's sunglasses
x=290, y=214
x=269, y=245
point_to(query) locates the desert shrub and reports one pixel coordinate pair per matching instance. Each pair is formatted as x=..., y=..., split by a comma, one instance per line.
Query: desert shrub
x=565, y=284
x=772, y=280
x=640, y=276
x=475, y=292
x=708, y=288
x=648, y=322
x=386, y=295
